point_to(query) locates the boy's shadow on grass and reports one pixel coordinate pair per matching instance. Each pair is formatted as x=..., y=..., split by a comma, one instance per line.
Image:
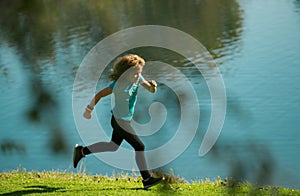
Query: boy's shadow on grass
x=123, y=188
x=164, y=187
x=32, y=190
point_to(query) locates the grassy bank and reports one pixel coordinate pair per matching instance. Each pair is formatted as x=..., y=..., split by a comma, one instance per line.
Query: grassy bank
x=60, y=183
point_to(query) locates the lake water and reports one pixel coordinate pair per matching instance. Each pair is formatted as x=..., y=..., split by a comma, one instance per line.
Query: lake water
x=255, y=43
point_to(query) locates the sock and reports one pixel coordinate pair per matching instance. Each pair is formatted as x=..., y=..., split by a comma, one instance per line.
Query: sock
x=86, y=151
x=145, y=175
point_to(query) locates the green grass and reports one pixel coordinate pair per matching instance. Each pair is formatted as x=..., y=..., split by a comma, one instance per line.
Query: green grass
x=20, y=182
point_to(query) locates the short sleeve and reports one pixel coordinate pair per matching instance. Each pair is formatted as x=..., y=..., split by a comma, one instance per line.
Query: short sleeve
x=112, y=85
x=141, y=79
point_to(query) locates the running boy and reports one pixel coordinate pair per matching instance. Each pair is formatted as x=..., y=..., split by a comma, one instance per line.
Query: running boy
x=126, y=78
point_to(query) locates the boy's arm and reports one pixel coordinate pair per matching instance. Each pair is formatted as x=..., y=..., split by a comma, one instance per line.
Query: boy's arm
x=103, y=93
x=150, y=85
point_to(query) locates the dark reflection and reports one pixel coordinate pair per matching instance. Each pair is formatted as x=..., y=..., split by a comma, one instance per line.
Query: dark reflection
x=297, y=6
x=248, y=162
x=35, y=27
x=9, y=145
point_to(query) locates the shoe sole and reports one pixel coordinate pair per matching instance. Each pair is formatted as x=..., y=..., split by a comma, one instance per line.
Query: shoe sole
x=155, y=183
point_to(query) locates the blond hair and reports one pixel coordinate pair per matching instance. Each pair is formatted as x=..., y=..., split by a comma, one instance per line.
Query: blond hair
x=124, y=63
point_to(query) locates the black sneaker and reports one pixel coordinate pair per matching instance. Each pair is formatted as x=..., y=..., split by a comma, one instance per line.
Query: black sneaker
x=151, y=181
x=77, y=156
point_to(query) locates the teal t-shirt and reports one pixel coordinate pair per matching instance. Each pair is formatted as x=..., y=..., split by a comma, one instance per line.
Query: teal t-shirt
x=125, y=97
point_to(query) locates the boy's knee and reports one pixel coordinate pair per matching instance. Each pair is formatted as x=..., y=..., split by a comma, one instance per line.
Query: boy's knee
x=114, y=147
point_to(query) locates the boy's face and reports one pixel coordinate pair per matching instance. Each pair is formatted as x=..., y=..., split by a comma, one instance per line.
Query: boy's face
x=134, y=73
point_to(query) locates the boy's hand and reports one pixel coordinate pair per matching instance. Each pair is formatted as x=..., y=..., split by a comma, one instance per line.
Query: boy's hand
x=153, y=86
x=88, y=111
x=150, y=85
x=87, y=114
x=153, y=83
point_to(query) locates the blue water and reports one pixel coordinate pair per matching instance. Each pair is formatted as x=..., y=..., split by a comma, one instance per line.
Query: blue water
x=260, y=68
